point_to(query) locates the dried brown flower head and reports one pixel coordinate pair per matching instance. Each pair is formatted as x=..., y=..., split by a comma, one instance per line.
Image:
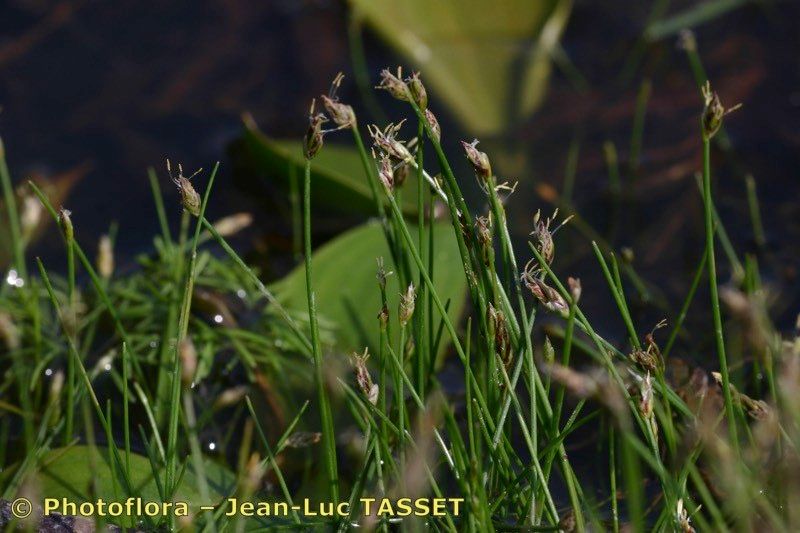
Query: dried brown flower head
x=757, y=409
x=594, y=384
x=190, y=199
x=483, y=230
x=575, y=289
x=303, y=439
x=713, y=111
x=394, y=84
x=433, y=122
x=417, y=90
x=313, y=141
x=382, y=273
x=9, y=331
x=341, y=114
x=479, y=160
x=65, y=221
x=682, y=518
x=105, y=257
x=386, y=141
x=386, y=173
x=543, y=235
x=231, y=396
x=548, y=296
x=233, y=224
x=188, y=358
x=407, y=304
x=363, y=378
x=502, y=339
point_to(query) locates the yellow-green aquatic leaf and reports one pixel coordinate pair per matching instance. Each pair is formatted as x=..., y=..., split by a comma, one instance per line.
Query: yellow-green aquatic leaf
x=489, y=60
x=347, y=292
x=75, y=471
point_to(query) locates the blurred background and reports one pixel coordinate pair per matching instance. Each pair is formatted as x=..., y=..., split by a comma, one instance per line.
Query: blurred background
x=592, y=106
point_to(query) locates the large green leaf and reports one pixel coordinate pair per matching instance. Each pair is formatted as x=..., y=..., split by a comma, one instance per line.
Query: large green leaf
x=489, y=60
x=346, y=289
x=70, y=472
x=337, y=172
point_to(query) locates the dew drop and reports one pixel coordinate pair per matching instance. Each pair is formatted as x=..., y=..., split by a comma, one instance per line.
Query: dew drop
x=13, y=279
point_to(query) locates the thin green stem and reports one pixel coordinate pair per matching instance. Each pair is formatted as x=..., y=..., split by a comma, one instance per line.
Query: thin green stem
x=712, y=282
x=328, y=435
x=183, y=327
x=17, y=244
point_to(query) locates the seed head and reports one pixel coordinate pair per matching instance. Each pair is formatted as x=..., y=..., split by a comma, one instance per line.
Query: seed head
x=568, y=523
x=757, y=409
x=682, y=517
x=394, y=84
x=713, y=112
x=382, y=274
x=9, y=331
x=417, y=90
x=543, y=235
x=575, y=289
x=578, y=384
x=65, y=221
x=303, y=439
x=312, y=143
x=190, y=200
x=383, y=317
x=31, y=215
x=433, y=122
x=548, y=350
x=646, y=359
x=363, y=378
x=548, y=296
x=479, y=160
x=594, y=384
x=646, y=400
x=105, y=257
x=483, y=229
x=255, y=471
x=650, y=358
x=386, y=141
x=56, y=385
x=687, y=41
x=407, y=303
x=341, y=114
x=233, y=224
x=231, y=396
x=386, y=173
x=188, y=357
x=502, y=339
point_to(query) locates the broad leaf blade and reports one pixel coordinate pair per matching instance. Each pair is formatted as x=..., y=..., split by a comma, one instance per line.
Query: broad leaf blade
x=347, y=292
x=489, y=61
x=71, y=472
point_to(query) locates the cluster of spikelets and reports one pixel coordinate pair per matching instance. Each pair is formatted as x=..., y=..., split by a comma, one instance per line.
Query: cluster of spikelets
x=638, y=390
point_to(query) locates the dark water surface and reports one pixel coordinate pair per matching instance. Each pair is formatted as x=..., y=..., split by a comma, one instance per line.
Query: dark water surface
x=120, y=86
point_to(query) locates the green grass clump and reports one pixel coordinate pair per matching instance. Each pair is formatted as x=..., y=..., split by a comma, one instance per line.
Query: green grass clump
x=219, y=410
